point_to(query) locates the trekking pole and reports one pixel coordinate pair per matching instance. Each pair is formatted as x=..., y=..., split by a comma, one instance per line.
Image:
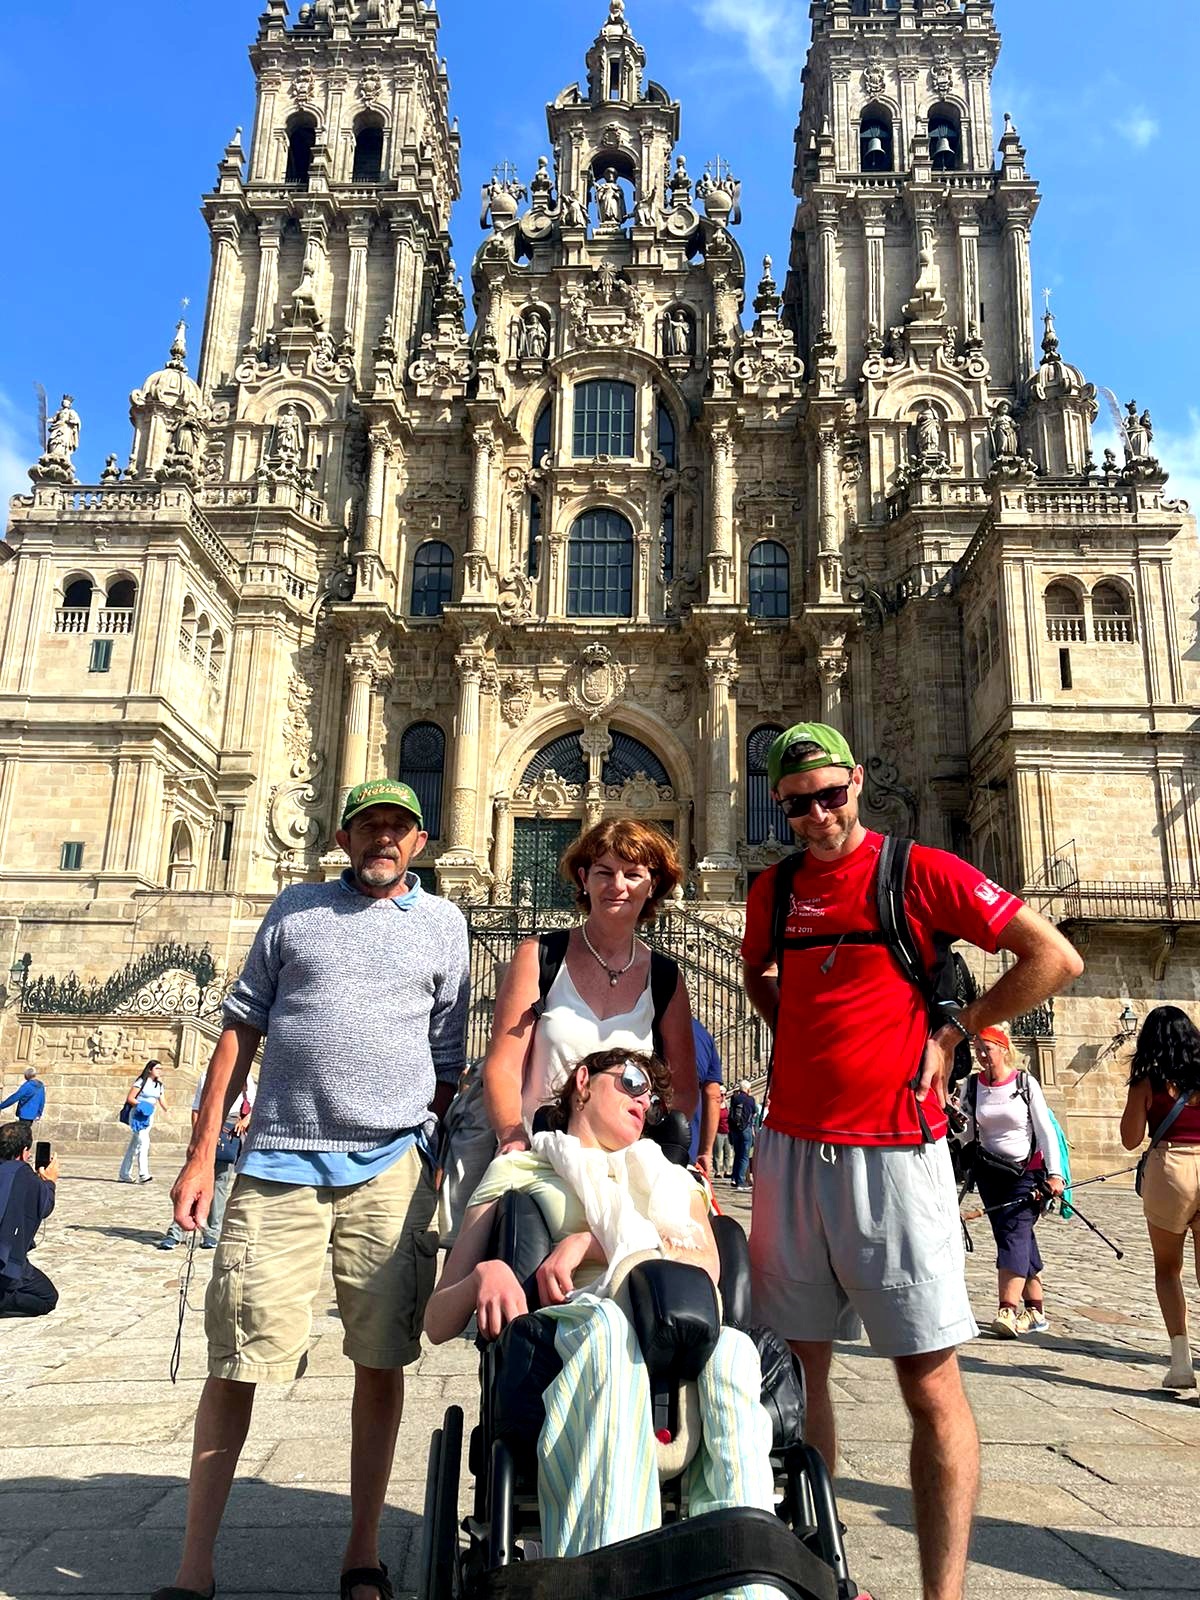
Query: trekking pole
x=1088, y=1223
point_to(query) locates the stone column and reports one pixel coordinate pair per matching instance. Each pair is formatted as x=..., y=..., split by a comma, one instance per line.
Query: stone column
x=829, y=488
x=406, y=286
x=226, y=235
x=502, y=843
x=266, y=301
x=874, y=233
x=720, y=543
x=358, y=234
x=381, y=454
x=827, y=245
x=641, y=577
x=833, y=667
x=718, y=870
x=596, y=742
x=966, y=216
x=360, y=678
x=476, y=564
x=1020, y=293
x=464, y=790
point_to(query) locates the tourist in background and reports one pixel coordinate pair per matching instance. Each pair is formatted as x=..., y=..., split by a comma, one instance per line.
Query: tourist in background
x=29, y=1099
x=26, y=1200
x=1164, y=1101
x=144, y=1098
x=743, y=1110
x=722, y=1149
x=229, y=1150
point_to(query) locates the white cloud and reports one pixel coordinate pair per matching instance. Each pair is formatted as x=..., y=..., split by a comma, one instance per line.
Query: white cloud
x=1139, y=128
x=18, y=451
x=773, y=34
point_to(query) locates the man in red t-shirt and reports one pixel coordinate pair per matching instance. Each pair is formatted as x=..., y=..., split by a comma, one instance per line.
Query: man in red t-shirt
x=855, y=1216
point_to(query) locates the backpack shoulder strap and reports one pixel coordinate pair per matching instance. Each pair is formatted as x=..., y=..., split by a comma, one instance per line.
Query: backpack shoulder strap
x=785, y=877
x=891, y=875
x=552, y=952
x=664, y=981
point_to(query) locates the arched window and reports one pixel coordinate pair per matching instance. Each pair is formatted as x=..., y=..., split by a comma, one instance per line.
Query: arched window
x=604, y=418
x=600, y=565
x=122, y=592
x=764, y=819
x=533, y=554
x=972, y=661
x=77, y=595
x=422, y=764
x=433, y=578
x=203, y=642
x=1112, y=614
x=945, y=139
x=1064, y=614
x=769, y=586
x=187, y=628
x=668, y=538
x=627, y=758
x=302, y=139
x=876, y=140
x=565, y=757
x=665, y=431
x=216, y=659
x=182, y=865
x=541, y=435
x=368, y=151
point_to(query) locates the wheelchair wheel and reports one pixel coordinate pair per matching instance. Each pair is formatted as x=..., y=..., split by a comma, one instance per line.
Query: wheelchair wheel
x=439, y=1554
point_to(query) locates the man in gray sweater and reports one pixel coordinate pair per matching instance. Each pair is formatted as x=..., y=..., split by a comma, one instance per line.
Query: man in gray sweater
x=360, y=987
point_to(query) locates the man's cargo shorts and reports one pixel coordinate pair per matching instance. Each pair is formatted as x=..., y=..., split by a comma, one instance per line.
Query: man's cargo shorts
x=847, y=1236
x=271, y=1256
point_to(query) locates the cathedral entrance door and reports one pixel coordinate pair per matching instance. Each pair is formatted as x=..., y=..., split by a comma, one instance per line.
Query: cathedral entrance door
x=538, y=845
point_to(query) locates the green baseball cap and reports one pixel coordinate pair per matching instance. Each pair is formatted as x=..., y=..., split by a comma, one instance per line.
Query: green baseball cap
x=835, y=752
x=381, y=792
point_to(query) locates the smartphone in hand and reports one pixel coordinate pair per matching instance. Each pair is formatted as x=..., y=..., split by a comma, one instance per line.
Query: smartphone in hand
x=41, y=1155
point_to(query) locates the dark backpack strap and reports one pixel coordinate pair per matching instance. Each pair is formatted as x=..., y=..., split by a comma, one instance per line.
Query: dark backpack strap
x=664, y=981
x=891, y=874
x=785, y=877
x=552, y=952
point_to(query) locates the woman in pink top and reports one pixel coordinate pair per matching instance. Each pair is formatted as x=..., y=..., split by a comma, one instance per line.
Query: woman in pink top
x=1166, y=1066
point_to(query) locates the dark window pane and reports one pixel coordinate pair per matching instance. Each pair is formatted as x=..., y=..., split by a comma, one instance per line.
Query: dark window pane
x=563, y=756
x=666, y=435
x=422, y=763
x=600, y=566
x=764, y=819
x=368, y=155
x=627, y=758
x=301, y=140
x=541, y=434
x=534, y=553
x=769, y=580
x=101, y=657
x=604, y=419
x=433, y=578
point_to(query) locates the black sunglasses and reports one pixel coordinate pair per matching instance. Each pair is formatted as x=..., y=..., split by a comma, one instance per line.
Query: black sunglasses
x=799, y=805
x=635, y=1082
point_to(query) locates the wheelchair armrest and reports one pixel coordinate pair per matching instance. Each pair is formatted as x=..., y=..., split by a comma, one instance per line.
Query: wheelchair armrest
x=733, y=1248
x=676, y=1318
x=521, y=1238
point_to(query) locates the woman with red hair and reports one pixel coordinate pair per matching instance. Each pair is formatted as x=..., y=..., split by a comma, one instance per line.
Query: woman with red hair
x=1016, y=1156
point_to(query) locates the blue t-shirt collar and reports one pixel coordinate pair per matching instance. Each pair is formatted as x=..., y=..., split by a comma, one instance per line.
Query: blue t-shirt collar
x=402, y=902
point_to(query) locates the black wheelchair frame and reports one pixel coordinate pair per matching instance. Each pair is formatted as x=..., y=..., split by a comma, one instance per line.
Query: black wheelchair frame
x=797, y=1550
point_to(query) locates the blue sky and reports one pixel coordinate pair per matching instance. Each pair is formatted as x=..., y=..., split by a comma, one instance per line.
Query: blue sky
x=115, y=114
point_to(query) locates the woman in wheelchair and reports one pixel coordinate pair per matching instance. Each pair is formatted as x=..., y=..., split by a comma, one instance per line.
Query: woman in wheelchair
x=609, y=1198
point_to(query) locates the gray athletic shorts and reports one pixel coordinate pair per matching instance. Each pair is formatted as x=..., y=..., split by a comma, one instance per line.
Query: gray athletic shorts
x=851, y=1236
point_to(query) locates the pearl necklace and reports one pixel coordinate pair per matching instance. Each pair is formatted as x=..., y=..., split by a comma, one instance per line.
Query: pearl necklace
x=614, y=975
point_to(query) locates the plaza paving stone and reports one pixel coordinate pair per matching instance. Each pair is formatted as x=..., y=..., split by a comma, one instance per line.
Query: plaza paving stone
x=1091, y=1470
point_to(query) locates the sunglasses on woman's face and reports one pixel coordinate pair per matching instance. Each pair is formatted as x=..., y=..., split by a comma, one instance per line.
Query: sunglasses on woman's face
x=799, y=805
x=635, y=1082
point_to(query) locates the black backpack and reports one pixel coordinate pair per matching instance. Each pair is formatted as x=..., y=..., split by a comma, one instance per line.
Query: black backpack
x=941, y=986
x=664, y=978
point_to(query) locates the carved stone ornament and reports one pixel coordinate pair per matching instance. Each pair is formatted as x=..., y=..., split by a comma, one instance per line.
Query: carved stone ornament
x=516, y=697
x=639, y=793
x=608, y=310
x=549, y=794
x=874, y=80
x=370, y=86
x=291, y=819
x=516, y=595
x=304, y=86
x=596, y=681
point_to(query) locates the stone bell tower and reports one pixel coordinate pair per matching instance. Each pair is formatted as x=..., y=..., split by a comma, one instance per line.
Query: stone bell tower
x=330, y=220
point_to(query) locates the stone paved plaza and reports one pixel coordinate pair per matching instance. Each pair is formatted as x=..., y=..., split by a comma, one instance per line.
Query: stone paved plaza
x=1091, y=1471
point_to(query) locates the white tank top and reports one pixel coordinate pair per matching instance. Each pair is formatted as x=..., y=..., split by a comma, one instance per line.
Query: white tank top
x=569, y=1029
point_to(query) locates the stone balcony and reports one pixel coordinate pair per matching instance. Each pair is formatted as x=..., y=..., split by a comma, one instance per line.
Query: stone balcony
x=1108, y=900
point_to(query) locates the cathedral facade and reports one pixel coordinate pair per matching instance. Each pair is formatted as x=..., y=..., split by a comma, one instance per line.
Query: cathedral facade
x=589, y=557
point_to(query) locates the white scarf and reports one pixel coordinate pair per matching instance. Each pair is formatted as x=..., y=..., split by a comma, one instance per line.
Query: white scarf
x=634, y=1199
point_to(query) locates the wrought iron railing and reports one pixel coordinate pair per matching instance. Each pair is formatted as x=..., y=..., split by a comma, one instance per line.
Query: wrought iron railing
x=1100, y=900
x=74, y=996
x=1035, y=1024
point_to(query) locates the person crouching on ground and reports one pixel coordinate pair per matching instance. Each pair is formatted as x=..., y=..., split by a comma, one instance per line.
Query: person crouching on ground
x=597, y=1184
x=1016, y=1157
x=1166, y=1069
x=26, y=1200
x=360, y=986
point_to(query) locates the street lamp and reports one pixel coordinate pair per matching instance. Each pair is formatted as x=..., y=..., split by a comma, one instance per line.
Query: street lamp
x=19, y=971
x=1127, y=1021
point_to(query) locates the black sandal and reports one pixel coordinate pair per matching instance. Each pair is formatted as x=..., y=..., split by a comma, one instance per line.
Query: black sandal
x=172, y=1593
x=369, y=1577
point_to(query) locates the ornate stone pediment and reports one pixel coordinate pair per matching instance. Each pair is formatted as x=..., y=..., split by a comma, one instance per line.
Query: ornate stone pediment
x=549, y=794
x=639, y=793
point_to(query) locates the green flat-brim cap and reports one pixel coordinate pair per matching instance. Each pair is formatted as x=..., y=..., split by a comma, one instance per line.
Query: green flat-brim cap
x=835, y=752
x=381, y=792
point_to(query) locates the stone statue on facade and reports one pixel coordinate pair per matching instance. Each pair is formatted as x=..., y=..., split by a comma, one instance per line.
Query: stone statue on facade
x=1139, y=433
x=305, y=294
x=289, y=438
x=680, y=185
x=643, y=208
x=541, y=186
x=610, y=200
x=679, y=333
x=532, y=338
x=1005, y=439
x=62, y=435
x=928, y=303
x=929, y=432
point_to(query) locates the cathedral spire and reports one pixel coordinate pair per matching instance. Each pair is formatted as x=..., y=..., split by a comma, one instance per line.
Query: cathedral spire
x=616, y=61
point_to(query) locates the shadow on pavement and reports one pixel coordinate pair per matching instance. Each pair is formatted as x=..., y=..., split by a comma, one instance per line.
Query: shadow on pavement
x=120, y=1534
